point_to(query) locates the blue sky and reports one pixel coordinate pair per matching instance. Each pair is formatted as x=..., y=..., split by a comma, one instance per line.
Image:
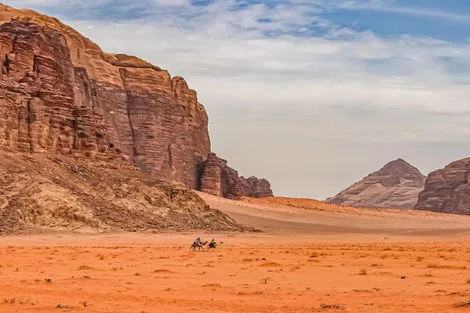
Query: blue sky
x=446, y=20
x=311, y=94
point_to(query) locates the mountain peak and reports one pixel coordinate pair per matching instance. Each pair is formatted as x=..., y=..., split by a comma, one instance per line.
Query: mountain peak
x=400, y=167
x=396, y=185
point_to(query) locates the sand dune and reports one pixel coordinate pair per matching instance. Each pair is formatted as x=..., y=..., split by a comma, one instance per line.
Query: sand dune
x=279, y=215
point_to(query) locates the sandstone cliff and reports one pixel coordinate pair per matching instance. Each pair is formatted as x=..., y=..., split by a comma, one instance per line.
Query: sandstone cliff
x=60, y=94
x=220, y=180
x=396, y=185
x=447, y=190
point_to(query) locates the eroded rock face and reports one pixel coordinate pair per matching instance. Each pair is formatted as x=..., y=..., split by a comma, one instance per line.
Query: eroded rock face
x=62, y=95
x=396, y=185
x=257, y=187
x=218, y=179
x=447, y=190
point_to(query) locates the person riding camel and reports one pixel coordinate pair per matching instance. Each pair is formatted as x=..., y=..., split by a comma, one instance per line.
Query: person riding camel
x=198, y=241
x=213, y=243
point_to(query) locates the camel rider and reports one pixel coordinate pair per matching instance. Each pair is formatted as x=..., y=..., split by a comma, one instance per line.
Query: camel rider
x=198, y=241
x=212, y=243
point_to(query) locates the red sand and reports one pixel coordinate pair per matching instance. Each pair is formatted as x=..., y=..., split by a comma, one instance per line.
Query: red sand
x=306, y=261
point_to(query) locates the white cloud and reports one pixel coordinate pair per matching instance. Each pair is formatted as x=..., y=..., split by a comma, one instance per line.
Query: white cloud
x=402, y=73
x=387, y=6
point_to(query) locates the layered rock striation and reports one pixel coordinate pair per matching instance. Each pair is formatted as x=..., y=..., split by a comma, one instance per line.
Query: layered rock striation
x=447, y=190
x=60, y=94
x=56, y=103
x=396, y=185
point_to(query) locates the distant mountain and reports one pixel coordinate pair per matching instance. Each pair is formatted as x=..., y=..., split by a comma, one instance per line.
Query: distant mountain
x=396, y=185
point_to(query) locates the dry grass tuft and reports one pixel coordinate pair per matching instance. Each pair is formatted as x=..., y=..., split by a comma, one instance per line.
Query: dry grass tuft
x=465, y=304
x=270, y=264
x=212, y=285
x=84, y=268
x=332, y=306
x=447, y=267
x=163, y=271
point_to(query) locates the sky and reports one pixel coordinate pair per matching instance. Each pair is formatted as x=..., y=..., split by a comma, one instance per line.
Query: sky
x=311, y=94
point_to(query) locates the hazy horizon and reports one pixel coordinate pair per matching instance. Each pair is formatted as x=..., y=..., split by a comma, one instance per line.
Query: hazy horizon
x=313, y=95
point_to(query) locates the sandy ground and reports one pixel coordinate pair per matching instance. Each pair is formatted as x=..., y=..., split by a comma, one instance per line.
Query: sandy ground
x=304, y=261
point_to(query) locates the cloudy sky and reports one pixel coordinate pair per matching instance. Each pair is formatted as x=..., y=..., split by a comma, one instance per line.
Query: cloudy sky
x=311, y=94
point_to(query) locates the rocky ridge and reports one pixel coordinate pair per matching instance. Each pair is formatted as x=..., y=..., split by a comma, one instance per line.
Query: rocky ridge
x=396, y=185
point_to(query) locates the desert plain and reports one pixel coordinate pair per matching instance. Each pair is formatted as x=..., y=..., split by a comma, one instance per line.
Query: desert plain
x=308, y=257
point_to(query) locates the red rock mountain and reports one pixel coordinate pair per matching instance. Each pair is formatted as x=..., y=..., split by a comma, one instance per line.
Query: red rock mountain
x=396, y=185
x=60, y=94
x=447, y=190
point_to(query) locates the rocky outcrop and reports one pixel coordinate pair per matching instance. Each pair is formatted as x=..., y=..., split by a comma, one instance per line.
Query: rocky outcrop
x=60, y=94
x=220, y=180
x=75, y=195
x=257, y=187
x=447, y=190
x=396, y=185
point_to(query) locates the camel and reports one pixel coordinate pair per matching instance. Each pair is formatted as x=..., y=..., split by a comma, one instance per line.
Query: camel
x=198, y=246
x=214, y=244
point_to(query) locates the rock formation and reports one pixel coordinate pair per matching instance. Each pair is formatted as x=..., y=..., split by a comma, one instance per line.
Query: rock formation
x=447, y=190
x=40, y=193
x=257, y=187
x=60, y=94
x=220, y=180
x=396, y=185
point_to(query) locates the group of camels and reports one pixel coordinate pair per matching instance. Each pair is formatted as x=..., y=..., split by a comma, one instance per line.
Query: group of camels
x=200, y=245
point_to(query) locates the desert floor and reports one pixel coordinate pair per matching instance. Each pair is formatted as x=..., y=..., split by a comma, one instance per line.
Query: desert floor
x=304, y=261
